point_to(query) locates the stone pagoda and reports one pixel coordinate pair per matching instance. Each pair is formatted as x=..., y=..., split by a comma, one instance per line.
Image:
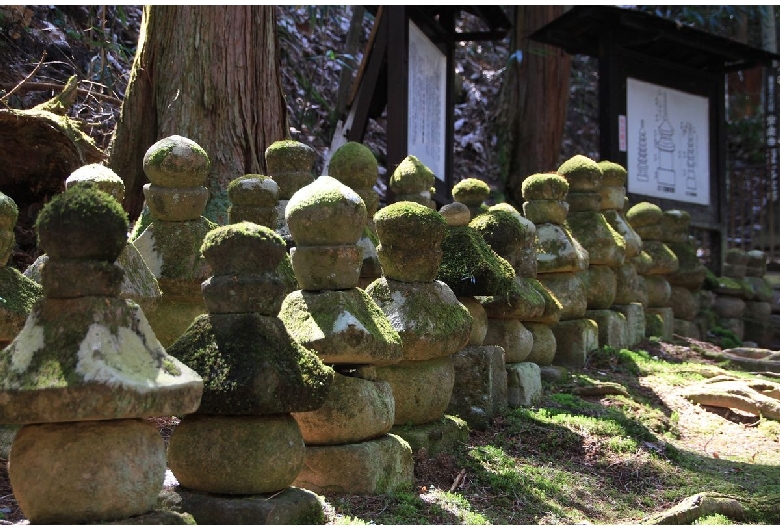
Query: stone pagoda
x=177, y=169
x=413, y=181
x=425, y=312
x=629, y=292
x=237, y=456
x=654, y=263
x=139, y=284
x=348, y=445
x=83, y=375
x=289, y=163
x=606, y=247
x=686, y=281
x=559, y=258
x=354, y=165
x=758, y=310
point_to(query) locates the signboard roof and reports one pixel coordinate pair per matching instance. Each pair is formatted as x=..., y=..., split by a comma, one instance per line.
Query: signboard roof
x=582, y=30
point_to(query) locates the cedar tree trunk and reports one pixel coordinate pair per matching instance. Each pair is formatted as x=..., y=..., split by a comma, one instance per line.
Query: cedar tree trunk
x=534, y=100
x=210, y=74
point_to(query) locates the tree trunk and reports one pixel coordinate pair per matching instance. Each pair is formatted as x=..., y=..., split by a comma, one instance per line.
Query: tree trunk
x=210, y=74
x=534, y=99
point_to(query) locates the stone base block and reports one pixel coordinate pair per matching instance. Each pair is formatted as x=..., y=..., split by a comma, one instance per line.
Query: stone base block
x=367, y=468
x=512, y=336
x=440, y=436
x=543, y=349
x=421, y=389
x=555, y=374
x=524, y=384
x=659, y=322
x=575, y=340
x=762, y=333
x=290, y=506
x=737, y=325
x=635, y=322
x=613, y=327
x=686, y=328
x=480, y=390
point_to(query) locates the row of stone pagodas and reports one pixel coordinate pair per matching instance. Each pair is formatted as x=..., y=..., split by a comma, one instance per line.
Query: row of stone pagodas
x=653, y=264
x=349, y=448
x=758, y=310
x=237, y=456
x=628, y=297
x=559, y=258
x=515, y=317
x=743, y=302
x=605, y=246
x=84, y=426
x=685, y=282
x=138, y=284
x=429, y=319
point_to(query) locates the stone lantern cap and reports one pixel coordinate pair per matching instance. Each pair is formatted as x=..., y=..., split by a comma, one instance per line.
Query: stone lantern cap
x=84, y=353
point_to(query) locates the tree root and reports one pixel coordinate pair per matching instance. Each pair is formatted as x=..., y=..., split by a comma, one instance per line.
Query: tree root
x=754, y=396
x=699, y=505
x=604, y=388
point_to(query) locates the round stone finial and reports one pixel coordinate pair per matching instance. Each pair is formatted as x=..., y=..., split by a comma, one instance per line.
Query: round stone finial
x=471, y=191
x=582, y=173
x=614, y=173
x=83, y=223
x=354, y=165
x=176, y=162
x=103, y=177
x=326, y=212
x=545, y=186
x=644, y=214
x=253, y=190
x=410, y=238
x=287, y=156
x=243, y=248
x=8, y=215
x=411, y=177
x=456, y=214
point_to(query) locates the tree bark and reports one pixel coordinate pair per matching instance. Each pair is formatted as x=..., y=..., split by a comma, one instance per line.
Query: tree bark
x=534, y=100
x=208, y=73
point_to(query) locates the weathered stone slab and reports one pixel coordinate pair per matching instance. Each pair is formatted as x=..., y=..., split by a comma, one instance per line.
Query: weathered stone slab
x=355, y=409
x=480, y=389
x=524, y=384
x=686, y=328
x=613, y=327
x=421, y=389
x=544, y=345
x=512, y=336
x=289, y=506
x=440, y=436
x=575, y=340
x=569, y=290
x=635, y=322
x=659, y=316
x=377, y=466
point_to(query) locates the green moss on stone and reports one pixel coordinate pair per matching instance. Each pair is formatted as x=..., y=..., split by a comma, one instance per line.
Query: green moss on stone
x=471, y=192
x=17, y=293
x=644, y=214
x=354, y=165
x=541, y=186
x=614, y=173
x=82, y=222
x=8, y=212
x=470, y=267
x=251, y=365
x=411, y=176
x=285, y=156
x=253, y=190
x=408, y=223
x=500, y=228
x=579, y=166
